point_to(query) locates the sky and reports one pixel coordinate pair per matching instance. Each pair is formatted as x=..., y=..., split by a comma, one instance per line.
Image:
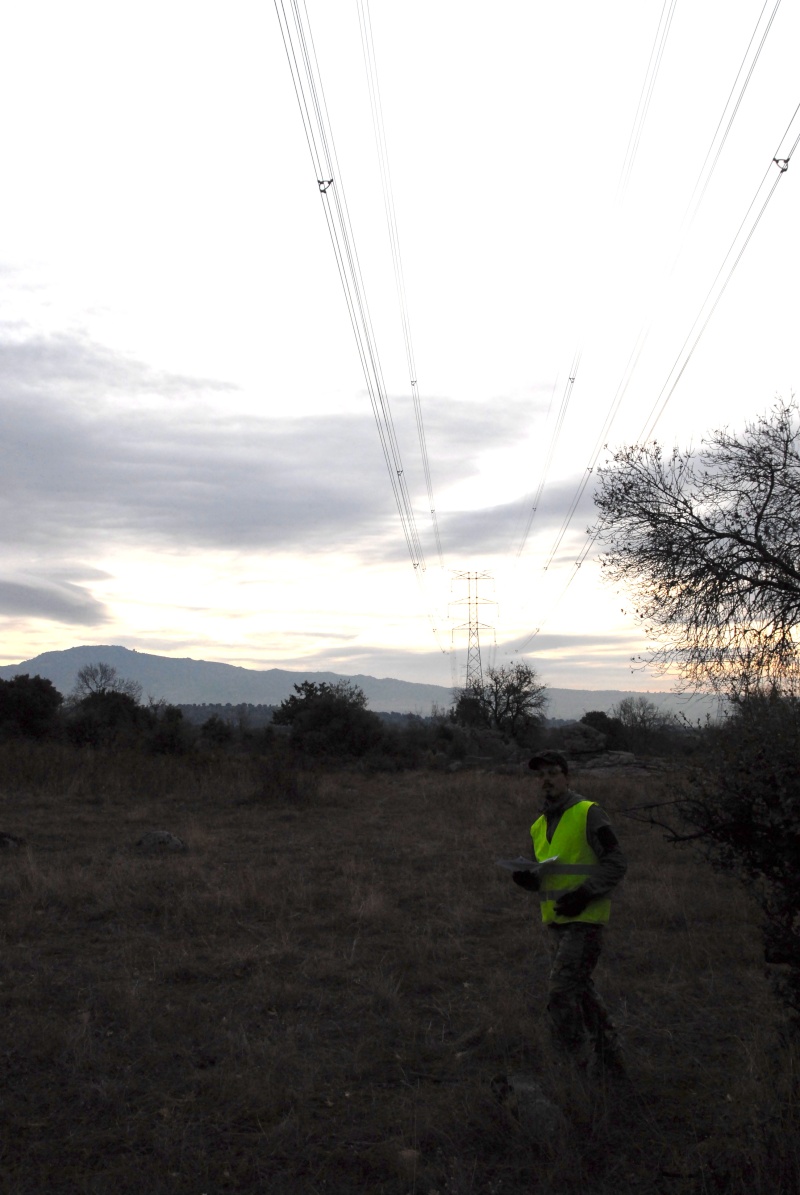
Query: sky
x=190, y=463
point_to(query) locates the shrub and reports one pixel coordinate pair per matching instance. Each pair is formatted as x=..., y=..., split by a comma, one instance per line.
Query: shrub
x=108, y=718
x=744, y=810
x=217, y=732
x=613, y=729
x=28, y=707
x=330, y=720
x=170, y=735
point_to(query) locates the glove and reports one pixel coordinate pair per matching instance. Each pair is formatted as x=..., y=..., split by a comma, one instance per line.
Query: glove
x=571, y=904
x=526, y=879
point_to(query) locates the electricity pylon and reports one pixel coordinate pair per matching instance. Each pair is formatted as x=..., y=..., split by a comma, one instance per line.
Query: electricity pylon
x=474, y=672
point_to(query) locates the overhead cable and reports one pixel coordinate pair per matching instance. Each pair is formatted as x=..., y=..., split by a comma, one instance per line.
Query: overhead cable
x=704, y=176
x=631, y=152
x=307, y=81
x=562, y=411
x=733, y=101
x=693, y=205
x=371, y=66
x=780, y=164
x=732, y=104
x=667, y=390
x=646, y=95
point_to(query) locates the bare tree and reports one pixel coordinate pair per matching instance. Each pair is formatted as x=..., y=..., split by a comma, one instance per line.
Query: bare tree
x=639, y=713
x=103, y=678
x=709, y=545
x=511, y=699
x=645, y=724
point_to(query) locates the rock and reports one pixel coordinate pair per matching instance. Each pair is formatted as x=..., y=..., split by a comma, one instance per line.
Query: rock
x=611, y=759
x=579, y=740
x=160, y=842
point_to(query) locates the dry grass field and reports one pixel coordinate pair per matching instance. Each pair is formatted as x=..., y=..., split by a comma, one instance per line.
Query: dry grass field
x=316, y=996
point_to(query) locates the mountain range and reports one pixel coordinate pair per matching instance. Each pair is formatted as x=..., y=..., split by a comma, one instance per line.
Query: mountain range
x=187, y=682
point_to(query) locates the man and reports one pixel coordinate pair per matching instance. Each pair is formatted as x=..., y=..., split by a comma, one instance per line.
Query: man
x=574, y=900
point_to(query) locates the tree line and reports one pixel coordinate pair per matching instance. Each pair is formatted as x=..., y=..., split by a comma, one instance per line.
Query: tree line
x=503, y=715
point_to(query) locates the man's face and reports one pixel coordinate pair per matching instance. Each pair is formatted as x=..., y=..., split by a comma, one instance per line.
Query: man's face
x=551, y=782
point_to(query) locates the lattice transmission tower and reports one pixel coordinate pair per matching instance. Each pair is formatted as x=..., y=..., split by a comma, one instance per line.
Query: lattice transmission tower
x=474, y=670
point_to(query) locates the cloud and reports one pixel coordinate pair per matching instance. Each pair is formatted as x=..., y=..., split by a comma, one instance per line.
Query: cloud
x=497, y=529
x=570, y=642
x=89, y=459
x=61, y=603
x=457, y=432
x=544, y=653
x=81, y=367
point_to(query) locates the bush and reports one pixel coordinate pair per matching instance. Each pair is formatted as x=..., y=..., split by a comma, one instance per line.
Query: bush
x=170, y=735
x=744, y=810
x=612, y=728
x=330, y=720
x=216, y=732
x=108, y=718
x=28, y=707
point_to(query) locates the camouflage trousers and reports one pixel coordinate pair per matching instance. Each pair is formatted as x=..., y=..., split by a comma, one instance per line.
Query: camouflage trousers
x=579, y=1018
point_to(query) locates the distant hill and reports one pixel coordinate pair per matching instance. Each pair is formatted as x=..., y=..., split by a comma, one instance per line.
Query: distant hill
x=196, y=681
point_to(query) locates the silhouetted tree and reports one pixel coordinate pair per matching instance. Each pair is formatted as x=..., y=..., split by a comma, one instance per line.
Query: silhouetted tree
x=330, y=719
x=217, y=732
x=28, y=706
x=708, y=543
x=170, y=735
x=469, y=709
x=103, y=678
x=109, y=718
x=511, y=700
x=611, y=727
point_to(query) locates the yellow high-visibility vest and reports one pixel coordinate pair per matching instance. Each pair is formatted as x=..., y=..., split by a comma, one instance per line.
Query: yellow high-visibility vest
x=576, y=863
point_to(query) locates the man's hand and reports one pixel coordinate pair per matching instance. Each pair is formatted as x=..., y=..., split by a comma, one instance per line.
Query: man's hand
x=571, y=904
x=526, y=879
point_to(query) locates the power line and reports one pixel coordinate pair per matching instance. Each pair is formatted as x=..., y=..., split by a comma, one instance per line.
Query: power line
x=303, y=65
x=562, y=411
x=782, y=164
x=724, y=138
x=646, y=95
x=307, y=81
x=688, y=219
x=631, y=153
x=371, y=65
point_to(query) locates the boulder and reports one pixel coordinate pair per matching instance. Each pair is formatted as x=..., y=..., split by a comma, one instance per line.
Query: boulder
x=160, y=842
x=579, y=740
x=611, y=759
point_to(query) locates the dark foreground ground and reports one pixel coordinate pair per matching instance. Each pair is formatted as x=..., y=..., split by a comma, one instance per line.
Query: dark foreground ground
x=318, y=995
